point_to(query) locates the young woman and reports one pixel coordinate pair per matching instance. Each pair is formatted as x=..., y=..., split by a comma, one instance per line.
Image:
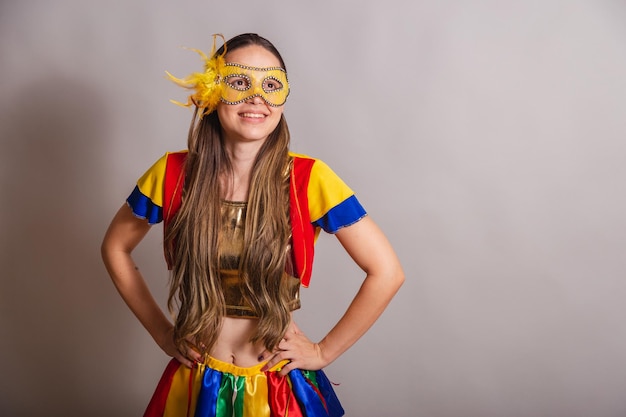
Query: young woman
x=241, y=214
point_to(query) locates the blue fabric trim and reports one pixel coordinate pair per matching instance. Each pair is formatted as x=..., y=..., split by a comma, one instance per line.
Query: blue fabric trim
x=325, y=387
x=308, y=400
x=209, y=393
x=144, y=208
x=344, y=214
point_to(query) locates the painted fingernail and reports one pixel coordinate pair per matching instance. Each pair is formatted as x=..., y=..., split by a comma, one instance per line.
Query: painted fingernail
x=260, y=358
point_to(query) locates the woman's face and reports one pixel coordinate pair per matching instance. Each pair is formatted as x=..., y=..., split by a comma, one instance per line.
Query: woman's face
x=253, y=119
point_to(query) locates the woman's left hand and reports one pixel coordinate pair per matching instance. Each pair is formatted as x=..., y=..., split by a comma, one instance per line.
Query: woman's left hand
x=298, y=350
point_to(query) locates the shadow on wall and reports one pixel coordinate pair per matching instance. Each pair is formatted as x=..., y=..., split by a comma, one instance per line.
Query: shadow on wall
x=52, y=294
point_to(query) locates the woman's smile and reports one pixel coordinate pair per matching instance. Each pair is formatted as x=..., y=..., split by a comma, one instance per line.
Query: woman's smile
x=251, y=115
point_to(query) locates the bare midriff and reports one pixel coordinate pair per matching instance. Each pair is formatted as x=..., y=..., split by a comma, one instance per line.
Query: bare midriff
x=233, y=343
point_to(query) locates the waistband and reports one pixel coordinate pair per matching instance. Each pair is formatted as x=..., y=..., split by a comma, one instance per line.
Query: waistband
x=235, y=370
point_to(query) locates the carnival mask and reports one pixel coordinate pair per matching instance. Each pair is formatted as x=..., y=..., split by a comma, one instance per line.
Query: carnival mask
x=231, y=83
x=242, y=83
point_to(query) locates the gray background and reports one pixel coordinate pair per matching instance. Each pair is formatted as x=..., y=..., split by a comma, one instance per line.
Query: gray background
x=485, y=137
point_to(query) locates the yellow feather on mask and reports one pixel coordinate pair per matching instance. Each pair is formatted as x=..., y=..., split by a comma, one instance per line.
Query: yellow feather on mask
x=207, y=85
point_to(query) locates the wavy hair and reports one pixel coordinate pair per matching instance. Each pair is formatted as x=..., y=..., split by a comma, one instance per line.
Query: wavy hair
x=196, y=296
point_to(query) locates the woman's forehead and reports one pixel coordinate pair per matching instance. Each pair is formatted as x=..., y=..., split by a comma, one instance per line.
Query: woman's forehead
x=253, y=56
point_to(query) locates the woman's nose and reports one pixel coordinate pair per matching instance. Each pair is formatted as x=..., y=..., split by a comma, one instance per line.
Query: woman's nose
x=255, y=100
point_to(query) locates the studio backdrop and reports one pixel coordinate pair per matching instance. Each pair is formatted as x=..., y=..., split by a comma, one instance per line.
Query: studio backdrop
x=486, y=138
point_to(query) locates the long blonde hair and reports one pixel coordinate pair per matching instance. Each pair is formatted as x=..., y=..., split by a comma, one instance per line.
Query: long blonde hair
x=191, y=241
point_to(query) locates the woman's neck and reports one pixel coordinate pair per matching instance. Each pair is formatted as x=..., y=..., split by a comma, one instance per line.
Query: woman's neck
x=242, y=157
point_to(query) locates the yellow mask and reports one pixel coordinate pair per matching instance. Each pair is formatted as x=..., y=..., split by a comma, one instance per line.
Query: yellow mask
x=241, y=83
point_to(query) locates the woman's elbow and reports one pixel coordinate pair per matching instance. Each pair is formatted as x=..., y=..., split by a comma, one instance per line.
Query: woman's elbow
x=397, y=277
x=390, y=278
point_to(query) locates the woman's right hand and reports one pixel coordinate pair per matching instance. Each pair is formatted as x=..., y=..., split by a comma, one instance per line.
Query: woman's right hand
x=189, y=355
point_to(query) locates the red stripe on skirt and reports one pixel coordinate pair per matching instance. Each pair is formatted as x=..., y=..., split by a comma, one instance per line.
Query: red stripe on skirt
x=281, y=400
x=156, y=407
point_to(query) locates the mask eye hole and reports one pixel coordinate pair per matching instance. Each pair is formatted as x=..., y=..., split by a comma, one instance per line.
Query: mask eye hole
x=238, y=82
x=271, y=84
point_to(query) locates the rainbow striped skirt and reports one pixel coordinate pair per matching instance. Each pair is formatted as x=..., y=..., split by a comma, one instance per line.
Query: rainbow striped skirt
x=220, y=389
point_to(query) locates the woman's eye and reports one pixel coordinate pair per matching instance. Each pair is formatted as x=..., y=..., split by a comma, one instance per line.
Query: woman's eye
x=238, y=82
x=271, y=85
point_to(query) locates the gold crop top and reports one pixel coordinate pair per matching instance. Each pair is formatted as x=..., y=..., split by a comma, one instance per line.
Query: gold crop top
x=231, y=247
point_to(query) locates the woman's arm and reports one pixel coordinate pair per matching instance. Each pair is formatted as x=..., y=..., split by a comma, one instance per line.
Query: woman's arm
x=123, y=235
x=370, y=249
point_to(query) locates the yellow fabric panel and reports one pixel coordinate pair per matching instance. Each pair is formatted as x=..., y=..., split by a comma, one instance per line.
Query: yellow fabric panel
x=256, y=396
x=178, y=397
x=326, y=190
x=151, y=182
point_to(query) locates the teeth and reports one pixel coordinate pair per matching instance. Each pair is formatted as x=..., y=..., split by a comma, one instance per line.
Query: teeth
x=253, y=115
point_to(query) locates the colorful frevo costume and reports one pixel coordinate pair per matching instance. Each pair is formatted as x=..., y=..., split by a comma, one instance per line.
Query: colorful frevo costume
x=319, y=199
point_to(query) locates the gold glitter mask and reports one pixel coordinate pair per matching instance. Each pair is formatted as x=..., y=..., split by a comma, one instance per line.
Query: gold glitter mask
x=241, y=83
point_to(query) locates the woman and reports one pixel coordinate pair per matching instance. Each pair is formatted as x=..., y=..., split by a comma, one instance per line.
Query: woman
x=241, y=214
